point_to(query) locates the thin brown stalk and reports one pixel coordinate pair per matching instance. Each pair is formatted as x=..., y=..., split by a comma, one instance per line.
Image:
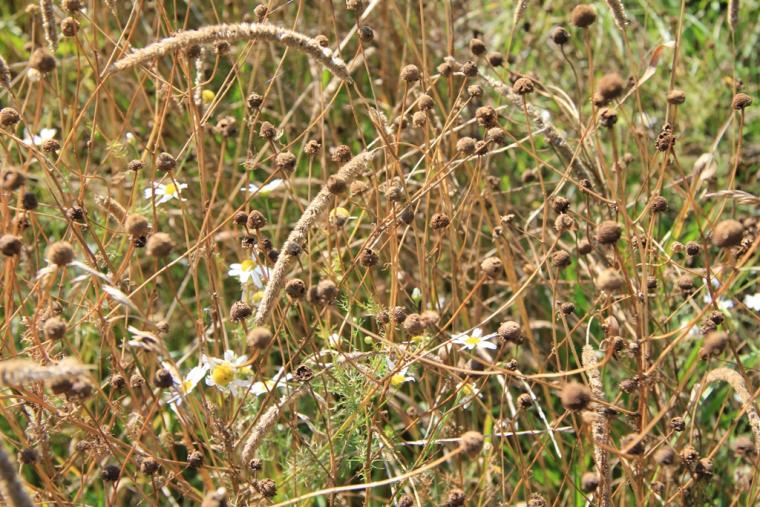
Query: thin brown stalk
x=298, y=235
x=17, y=372
x=600, y=427
x=113, y=207
x=235, y=33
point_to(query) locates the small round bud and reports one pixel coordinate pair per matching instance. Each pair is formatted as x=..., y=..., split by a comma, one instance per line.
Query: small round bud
x=410, y=73
x=295, y=288
x=575, y=396
x=492, y=267
x=727, y=233
x=60, y=253
x=583, y=16
x=159, y=244
x=608, y=232
x=259, y=338
x=559, y=35
x=471, y=442
x=10, y=245
x=9, y=117
x=240, y=310
x=137, y=225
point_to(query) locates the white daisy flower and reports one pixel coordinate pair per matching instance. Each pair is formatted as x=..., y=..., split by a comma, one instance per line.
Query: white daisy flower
x=468, y=391
x=277, y=381
x=723, y=303
x=248, y=270
x=399, y=377
x=752, y=301
x=265, y=189
x=225, y=373
x=475, y=340
x=33, y=140
x=165, y=192
x=184, y=386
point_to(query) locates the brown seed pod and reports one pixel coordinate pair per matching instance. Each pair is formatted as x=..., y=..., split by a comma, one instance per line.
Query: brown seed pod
x=267, y=130
x=536, y=500
x=9, y=117
x=632, y=444
x=227, y=126
x=510, y=331
x=559, y=35
x=584, y=247
x=71, y=6
x=147, y=465
x=366, y=34
x=110, y=473
x=42, y=60
x=159, y=244
x=368, y=258
x=610, y=280
x=495, y=59
x=689, y=454
x=165, y=162
x=561, y=259
x=163, y=379
x=492, y=267
x=466, y=145
x=741, y=101
x=744, y=446
x=10, y=245
x=589, y=482
x=327, y=291
x=477, y=47
x=665, y=456
x=439, y=221
x=340, y=154
x=471, y=442
x=60, y=253
x=336, y=184
x=455, y=498
x=583, y=16
x=677, y=424
x=254, y=101
x=608, y=232
x=13, y=179
x=727, y=233
x=567, y=308
x=413, y=324
x=685, y=282
x=256, y=220
x=470, y=68
x=523, y=86
x=693, y=248
x=410, y=73
x=676, y=97
x=267, y=487
x=295, y=288
x=575, y=396
x=658, y=204
x=259, y=338
x=137, y=225
x=714, y=345
x=135, y=165
x=497, y=135
x=240, y=310
x=610, y=86
x=195, y=459
x=419, y=119
x=486, y=116
x=54, y=328
x=285, y=161
x=608, y=117
x=405, y=501
x=312, y=147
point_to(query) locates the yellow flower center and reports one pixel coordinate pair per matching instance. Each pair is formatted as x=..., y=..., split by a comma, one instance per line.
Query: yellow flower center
x=258, y=296
x=244, y=372
x=207, y=96
x=186, y=386
x=247, y=265
x=467, y=390
x=398, y=379
x=170, y=189
x=222, y=374
x=472, y=340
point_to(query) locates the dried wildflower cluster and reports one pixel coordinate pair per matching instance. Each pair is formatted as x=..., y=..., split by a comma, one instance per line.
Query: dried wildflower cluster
x=379, y=253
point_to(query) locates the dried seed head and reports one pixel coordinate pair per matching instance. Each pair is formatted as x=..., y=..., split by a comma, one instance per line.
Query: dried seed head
x=523, y=86
x=410, y=73
x=714, y=345
x=744, y=447
x=159, y=244
x=260, y=11
x=425, y=102
x=524, y=401
x=741, y=101
x=137, y=225
x=267, y=487
x=267, y=130
x=259, y=338
x=466, y=145
x=312, y=147
x=445, y=69
x=608, y=117
x=492, y=267
x=195, y=459
x=497, y=135
x=677, y=424
x=240, y=218
x=676, y=96
x=665, y=456
x=69, y=27
x=559, y=35
x=72, y=6
x=561, y=259
x=589, y=482
x=413, y=324
x=13, y=179
x=42, y=61
x=368, y=258
x=455, y=498
x=240, y=310
x=495, y=59
x=608, y=232
x=692, y=248
x=405, y=501
x=471, y=442
x=685, y=282
x=340, y=154
x=704, y=468
x=689, y=454
x=439, y=221
x=135, y=165
x=9, y=117
x=118, y=382
x=398, y=314
x=477, y=46
x=10, y=245
x=727, y=233
x=536, y=500
x=659, y=204
x=163, y=379
x=295, y=288
x=366, y=34
x=254, y=101
x=575, y=396
x=165, y=162
x=227, y=126
x=610, y=86
x=148, y=466
x=584, y=247
x=256, y=220
x=60, y=253
x=475, y=90
x=560, y=204
x=470, y=68
x=419, y=119
x=327, y=291
x=632, y=444
x=510, y=331
x=609, y=280
x=110, y=473
x=583, y=16
x=285, y=161
x=54, y=328
x=336, y=184
x=567, y=308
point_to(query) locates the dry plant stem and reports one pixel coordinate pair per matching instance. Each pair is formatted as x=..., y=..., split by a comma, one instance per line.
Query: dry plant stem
x=17, y=372
x=733, y=378
x=298, y=235
x=549, y=130
x=5, y=74
x=600, y=427
x=10, y=486
x=235, y=33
